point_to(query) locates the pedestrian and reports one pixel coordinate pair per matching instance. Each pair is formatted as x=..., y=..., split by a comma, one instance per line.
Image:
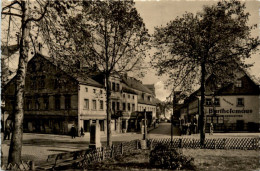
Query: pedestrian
x=82, y=132
x=73, y=132
x=7, y=131
x=211, y=129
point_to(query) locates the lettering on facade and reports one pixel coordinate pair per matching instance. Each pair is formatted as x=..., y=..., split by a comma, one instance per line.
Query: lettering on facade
x=229, y=111
x=228, y=102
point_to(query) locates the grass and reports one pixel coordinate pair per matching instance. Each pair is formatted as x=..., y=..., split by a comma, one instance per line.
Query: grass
x=204, y=159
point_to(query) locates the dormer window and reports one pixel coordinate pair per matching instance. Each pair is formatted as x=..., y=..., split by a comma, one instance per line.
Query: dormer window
x=238, y=83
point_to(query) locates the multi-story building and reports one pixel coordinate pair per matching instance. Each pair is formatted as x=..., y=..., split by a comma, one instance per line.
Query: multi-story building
x=55, y=100
x=234, y=107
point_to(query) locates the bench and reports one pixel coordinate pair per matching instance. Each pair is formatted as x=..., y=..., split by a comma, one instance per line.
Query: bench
x=63, y=159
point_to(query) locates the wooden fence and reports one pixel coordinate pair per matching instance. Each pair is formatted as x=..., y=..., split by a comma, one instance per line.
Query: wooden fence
x=23, y=166
x=215, y=143
x=100, y=154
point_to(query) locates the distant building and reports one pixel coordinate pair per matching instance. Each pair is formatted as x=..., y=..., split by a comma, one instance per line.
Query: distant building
x=234, y=107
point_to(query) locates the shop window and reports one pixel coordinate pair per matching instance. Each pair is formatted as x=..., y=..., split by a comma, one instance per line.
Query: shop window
x=128, y=106
x=46, y=102
x=86, y=104
x=240, y=101
x=216, y=102
x=238, y=83
x=124, y=107
x=118, y=105
x=215, y=120
x=94, y=104
x=57, y=102
x=101, y=102
x=67, y=101
x=208, y=102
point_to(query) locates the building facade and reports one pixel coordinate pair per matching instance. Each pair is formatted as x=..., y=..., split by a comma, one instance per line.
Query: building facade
x=53, y=98
x=234, y=107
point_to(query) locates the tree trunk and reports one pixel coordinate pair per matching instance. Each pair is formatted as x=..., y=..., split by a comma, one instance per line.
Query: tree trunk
x=109, y=141
x=17, y=134
x=202, y=117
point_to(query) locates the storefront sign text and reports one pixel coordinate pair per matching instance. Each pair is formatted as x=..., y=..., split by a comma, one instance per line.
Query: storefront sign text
x=223, y=111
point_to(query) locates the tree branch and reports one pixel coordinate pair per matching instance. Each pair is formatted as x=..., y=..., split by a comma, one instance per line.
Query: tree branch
x=8, y=13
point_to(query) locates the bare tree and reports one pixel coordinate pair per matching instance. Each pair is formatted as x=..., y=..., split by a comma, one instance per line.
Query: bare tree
x=24, y=16
x=194, y=46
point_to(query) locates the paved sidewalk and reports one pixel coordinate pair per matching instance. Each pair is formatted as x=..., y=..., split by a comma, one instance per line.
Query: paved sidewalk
x=37, y=147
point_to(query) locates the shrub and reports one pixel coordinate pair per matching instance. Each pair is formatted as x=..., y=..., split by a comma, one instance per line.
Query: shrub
x=168, y=158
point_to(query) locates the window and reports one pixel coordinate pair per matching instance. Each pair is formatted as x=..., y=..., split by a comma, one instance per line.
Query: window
x=123, y=95
x=42, y=82
x=240, y=101
x=67, y=102
x=94, y=90
x=86, y=104
x=29, y=103
x=37, y=104
x=57, y=102
x=56, y=83
x=216, y=102
x=133, y=97
x=149, y=98
x=101, y=105
x=86, y=89
x=101, y=91
x=143, y=96
x=124, y=107
x=238, y=83
x=117, y=87
x=221, y=119
x=33, y=83
x=94, y=104
x=133, y=107
x=128, y=96
x=128, y=106
x=118, y=105
x=208, y=102
x=46, y=102
x=113, y=106
x=209, y=119
x=113, y=86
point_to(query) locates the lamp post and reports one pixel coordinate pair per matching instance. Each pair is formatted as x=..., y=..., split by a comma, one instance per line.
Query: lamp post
x=173, y=101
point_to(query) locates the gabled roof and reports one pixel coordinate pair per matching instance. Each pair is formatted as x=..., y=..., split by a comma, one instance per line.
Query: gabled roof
x=126, y=89
x=135, y=84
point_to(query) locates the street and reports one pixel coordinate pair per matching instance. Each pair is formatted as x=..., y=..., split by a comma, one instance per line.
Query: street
x=37, y=147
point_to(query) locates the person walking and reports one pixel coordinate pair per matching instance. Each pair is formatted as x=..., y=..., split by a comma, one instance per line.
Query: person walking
x=73, y=132
x=7, y=131
x=82, y=132
x=211, y=129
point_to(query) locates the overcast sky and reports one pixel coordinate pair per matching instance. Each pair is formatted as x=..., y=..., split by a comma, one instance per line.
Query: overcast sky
x=157, y=13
